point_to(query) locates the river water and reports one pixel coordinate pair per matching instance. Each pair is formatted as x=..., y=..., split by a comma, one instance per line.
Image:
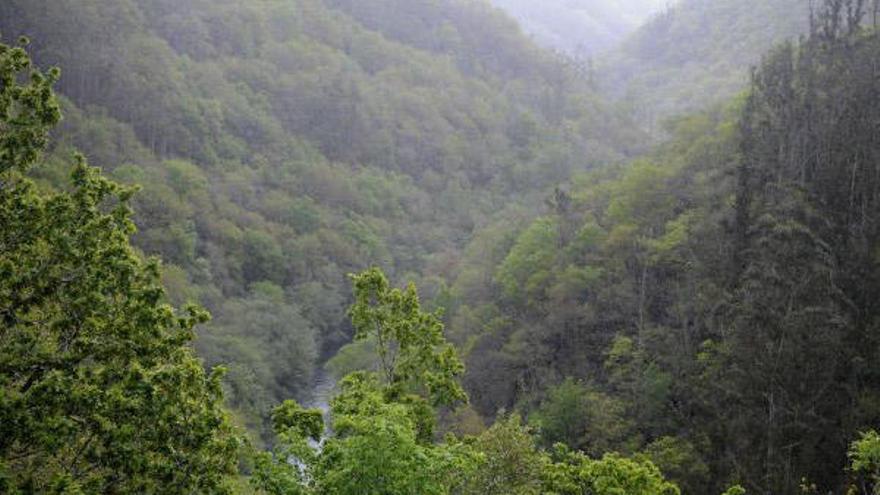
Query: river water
x=322, y=392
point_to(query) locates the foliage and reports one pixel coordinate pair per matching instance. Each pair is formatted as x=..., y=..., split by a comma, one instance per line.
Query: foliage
x=732, y=273
x=697, y=53
x=377, y=441
x=524, y=272
x=512, y=464
x=409, y=342
x=28, y=110
x=735, y=490
x=274, y=359
x=681, y=461
x=295, y=141
x=377, y=448
x=582, y=418
x=709, y=307
x=291, y=416
x=864, y=455
x=99, y=390
x=575, y=473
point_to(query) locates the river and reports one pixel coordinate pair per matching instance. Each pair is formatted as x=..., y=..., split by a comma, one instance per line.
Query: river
x=322, y=392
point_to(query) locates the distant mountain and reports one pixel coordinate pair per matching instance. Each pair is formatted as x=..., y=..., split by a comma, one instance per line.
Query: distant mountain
x=581, y=27
x=698, y=52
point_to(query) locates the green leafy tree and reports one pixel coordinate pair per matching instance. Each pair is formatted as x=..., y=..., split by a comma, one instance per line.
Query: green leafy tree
x=294, y=427
x=864, y=455
x=376, y=447
x=276, y=359
x=512, y=463
x=561, y=417
x=410, y=344
x=583, y=418
x=378, y=442
x=27, y=111
x=681, y=462
x=381, y=438
x=576, y=473
x=525, y=273
x=99, y=390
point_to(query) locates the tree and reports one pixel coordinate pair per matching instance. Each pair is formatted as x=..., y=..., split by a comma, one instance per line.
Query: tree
x=864, y=455
x=582, y=418
x=801, y=317
x=381, y=438
x=274, y=362
x=99, y=389
x=680, y=461
x=410, y=344
x=376, y=447
x=295, y=427
x=27, y=111
x=525, y=272
x=561, y=416
x=378, y=442
x=576, y=473
x=512, y=463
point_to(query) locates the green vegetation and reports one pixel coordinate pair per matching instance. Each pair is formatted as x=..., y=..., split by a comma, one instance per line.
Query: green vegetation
x=697, y=53
x=99, y=391
x=865, y=457
x=709, y=306
x=283, y=144
x=594, y=317
x=380, y=443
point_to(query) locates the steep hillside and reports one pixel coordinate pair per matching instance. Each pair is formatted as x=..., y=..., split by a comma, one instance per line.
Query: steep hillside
x=698, y=52
x=284, y=144
x=712, y=304
x=581, y=28
x=594, y=317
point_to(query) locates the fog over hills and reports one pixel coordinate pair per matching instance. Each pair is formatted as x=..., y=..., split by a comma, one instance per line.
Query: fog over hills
x=663, y=57
x=617, y=247
x=581, y=27
x=698, y=52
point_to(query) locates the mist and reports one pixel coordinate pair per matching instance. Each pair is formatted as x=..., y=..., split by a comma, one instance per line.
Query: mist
x=443, y=247
x=582, y=28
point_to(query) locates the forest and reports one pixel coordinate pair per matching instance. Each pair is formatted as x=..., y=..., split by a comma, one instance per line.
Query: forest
x=384, y=247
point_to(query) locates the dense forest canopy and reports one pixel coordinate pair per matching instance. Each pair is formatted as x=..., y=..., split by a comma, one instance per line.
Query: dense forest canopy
x=587, y=313
x=282, y=145
x=718, y=294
